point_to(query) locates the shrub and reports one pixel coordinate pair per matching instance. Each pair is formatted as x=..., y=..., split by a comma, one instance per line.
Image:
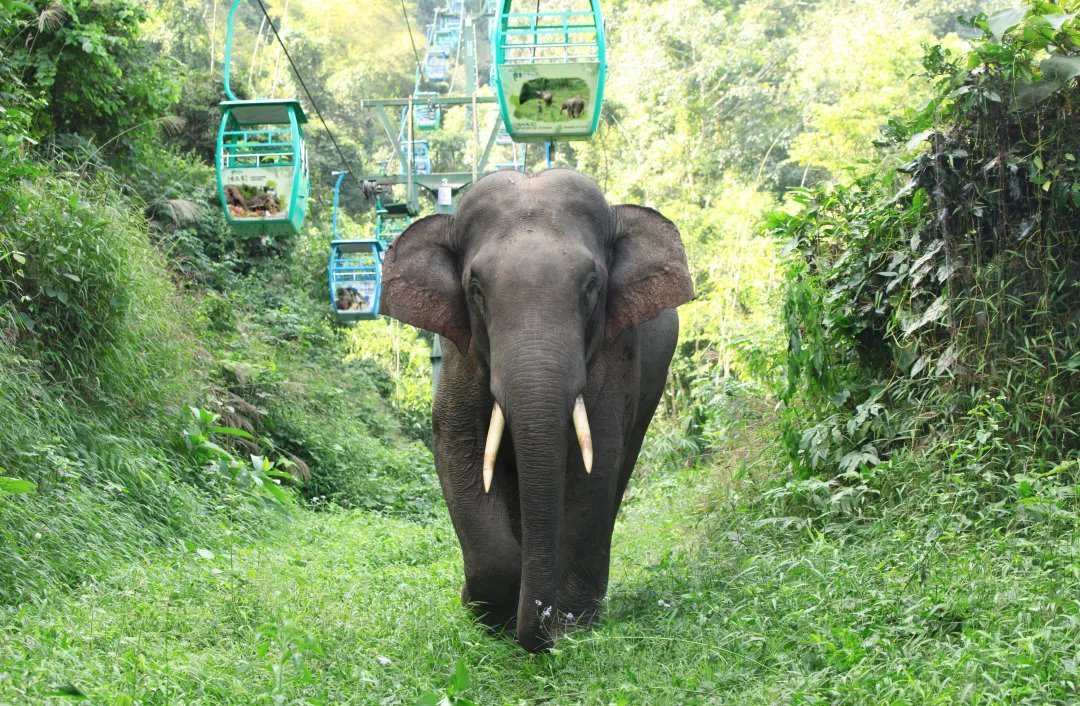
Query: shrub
x=936, y=308
x=89, y=295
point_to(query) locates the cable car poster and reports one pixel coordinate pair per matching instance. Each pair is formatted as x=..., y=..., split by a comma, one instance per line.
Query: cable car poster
x=258, y=192
x=550, y=101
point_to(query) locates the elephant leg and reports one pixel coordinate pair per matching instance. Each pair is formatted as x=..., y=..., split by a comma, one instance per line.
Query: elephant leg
x=485, y=523
x=591, y=498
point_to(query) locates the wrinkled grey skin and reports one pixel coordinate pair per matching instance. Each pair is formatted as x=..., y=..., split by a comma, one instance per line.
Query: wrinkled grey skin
x=573, y=107
x=542, y=292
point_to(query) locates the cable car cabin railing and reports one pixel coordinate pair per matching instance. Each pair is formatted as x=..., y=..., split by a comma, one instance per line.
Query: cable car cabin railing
x=550, y=36
x=244, y=148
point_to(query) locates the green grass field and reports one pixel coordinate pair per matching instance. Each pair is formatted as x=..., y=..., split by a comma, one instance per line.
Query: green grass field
x=713, y=601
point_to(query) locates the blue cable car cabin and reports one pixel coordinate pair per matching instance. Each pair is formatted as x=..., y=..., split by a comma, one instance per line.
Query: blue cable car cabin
x=355, y=279
x=550, y=69
x=262, y=166
x=421, y=157
x=435, y=65
x=445, y=41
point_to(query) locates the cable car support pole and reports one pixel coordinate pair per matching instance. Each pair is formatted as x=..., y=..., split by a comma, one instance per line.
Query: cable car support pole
x=228, y=51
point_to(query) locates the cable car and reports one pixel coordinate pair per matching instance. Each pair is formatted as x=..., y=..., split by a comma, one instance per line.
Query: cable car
x=428, y=116
x=421, y=157
x=355, y=270
x=550, y=69
x=391, y=221
x=262, y=166
x=445, y=41
x=355, y=279
x=435, y=65
x=450, y=20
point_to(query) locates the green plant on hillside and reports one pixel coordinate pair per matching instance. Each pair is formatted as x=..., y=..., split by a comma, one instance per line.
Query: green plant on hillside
x=86, y=61
x=922, y=305
x=259, y=478
x=87, y=292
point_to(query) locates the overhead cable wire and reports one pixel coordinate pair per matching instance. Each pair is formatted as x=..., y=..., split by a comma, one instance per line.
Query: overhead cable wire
x=296, y=72
x=412, y=40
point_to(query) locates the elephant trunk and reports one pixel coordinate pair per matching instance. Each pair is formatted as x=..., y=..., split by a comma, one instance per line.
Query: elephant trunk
x=537, y=389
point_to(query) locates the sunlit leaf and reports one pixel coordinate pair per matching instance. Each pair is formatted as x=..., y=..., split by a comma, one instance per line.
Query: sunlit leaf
x=16, y=486
x=1004, y=20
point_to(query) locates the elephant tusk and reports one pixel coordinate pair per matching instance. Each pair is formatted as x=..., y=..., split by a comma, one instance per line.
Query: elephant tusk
x=491, y=449
x=584, y=434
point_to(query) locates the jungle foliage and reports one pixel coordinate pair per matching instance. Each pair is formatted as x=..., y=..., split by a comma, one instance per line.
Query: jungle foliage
x=212, y=492
x=933, y=309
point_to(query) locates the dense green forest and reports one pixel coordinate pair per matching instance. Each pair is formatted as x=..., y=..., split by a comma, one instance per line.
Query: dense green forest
x=862, y=483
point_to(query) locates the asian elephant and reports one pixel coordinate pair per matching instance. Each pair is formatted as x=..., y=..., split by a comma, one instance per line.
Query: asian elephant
x=558, y=324
x=573, y=107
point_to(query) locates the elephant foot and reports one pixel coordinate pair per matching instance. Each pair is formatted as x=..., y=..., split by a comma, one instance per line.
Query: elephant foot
x=538, y=632
x=497, y=618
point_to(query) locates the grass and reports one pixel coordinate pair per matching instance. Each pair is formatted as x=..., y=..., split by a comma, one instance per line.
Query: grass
x=714, y=599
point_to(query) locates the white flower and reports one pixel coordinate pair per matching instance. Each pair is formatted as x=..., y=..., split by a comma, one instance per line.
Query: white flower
x=569, y=616
x=538, y=604
x=384, y=661
x=547, y=612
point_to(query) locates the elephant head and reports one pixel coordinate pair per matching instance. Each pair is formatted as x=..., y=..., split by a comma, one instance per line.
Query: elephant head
x=533, y=280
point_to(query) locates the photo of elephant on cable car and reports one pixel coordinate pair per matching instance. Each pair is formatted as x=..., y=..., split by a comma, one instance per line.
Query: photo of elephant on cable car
x=356, y=296
x=552, y=100
x=248, y=201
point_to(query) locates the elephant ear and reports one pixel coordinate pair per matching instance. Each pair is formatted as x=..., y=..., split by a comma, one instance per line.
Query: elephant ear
x=421, y=281
x=648, y=271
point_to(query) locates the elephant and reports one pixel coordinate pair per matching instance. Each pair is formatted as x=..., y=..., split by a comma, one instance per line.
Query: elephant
x=235, y=197
x=573, y=107
x=558, y=324
x=544, y=100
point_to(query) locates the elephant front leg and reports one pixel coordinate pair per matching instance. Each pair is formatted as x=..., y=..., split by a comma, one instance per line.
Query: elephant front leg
x=490, y=550
x=588, y=522
x=588, y=526
x=484, y=522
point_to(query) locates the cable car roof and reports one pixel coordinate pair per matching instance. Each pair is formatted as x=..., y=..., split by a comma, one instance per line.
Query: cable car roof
x=264, y=112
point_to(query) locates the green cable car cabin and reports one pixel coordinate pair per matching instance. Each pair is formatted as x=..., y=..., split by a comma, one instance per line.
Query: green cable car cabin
x=262, y=166
x=428, y=116
x=391, y=220
x=550, y=66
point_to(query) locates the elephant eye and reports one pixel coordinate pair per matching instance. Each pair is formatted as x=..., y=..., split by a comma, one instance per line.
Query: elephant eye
x=475, y=291
x=592, y=282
